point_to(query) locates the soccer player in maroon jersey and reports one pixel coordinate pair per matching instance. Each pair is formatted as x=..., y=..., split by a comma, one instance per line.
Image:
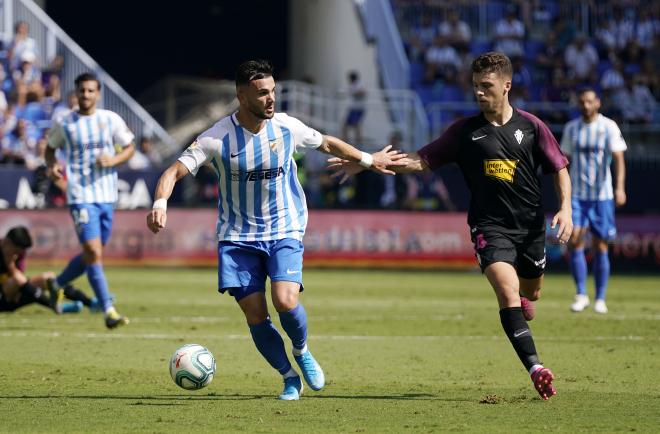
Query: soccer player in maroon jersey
x=499, y=151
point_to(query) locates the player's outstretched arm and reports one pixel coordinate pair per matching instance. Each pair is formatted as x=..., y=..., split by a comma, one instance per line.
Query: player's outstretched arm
x=157, y=217
x=123, y=156
x=408, y=163
x=380, y=161
x=563, y=218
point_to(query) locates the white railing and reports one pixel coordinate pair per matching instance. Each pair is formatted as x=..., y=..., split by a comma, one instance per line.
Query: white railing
x=326, y=110
x=52, y=40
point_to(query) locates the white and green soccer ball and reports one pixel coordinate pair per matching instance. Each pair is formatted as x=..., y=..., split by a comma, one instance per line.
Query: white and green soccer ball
x=192, y=367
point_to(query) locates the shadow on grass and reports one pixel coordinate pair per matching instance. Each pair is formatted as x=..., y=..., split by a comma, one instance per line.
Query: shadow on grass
x=183, y=399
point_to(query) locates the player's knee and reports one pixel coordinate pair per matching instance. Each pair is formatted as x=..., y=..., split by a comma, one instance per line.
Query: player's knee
x=285, y=302
x=92, y=255
x=256, y=317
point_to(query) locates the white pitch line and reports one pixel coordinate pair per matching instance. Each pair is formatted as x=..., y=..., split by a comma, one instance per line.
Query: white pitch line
x=172, y=336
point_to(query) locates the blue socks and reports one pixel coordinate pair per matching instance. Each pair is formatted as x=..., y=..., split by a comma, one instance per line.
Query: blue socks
x=74, y=269
x=579, y=270
x=294, y=323
x=601, y=273
x=99, y=284
x=270, y=345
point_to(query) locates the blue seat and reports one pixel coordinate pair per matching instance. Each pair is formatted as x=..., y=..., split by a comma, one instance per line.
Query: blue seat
x=478, y=47
x=416, y=73
x=532, y=49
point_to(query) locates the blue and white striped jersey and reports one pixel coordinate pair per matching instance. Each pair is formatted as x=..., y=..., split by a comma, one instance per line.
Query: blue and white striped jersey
x=260, y=198
x=84, y=139
x=590, y=147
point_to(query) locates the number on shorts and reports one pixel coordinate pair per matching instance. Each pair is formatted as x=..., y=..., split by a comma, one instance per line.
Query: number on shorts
x=80, y=217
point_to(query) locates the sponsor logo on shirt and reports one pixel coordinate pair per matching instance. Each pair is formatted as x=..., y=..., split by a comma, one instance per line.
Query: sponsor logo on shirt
x=519, y=136
x=275, y=144
x=257, y=175
x=500, y=169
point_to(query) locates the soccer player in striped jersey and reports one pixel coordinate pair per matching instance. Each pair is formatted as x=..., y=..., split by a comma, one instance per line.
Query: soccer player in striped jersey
x=592, y=141
x=262, y=214
x=90, y=138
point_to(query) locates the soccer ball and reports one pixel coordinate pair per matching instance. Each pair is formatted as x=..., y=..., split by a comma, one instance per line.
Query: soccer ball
x=192, y=367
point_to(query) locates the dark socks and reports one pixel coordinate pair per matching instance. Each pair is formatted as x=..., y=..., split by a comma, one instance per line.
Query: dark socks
x=270, y=345
x=29, y=292
x=294, y=323
x=520, y=335
x=73, y=293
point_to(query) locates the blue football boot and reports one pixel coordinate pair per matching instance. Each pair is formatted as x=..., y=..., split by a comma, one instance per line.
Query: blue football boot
x=293, y=388
x=311, y=370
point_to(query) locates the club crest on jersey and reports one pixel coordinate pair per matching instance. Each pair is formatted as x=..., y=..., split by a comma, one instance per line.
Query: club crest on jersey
x=275, y=144
x=500, y=169
x=519, y=136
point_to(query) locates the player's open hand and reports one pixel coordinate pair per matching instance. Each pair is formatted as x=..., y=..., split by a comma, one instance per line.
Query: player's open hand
x=565, y=221
x=343, y=169
x=387, y=157
x=156, y=220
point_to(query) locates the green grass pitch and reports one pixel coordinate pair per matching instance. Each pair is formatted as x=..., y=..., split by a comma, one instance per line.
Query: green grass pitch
x=403, y=352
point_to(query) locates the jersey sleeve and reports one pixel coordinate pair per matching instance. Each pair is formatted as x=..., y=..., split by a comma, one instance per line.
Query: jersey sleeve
x=566, y=142
x=199, y=152
x=121, y=135
x=444, y=149
x=616, y=141
x=56, y=136
x=303, y=136
x=552, y=159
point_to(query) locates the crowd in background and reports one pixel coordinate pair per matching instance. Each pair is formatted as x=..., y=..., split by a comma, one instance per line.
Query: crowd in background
x=553, y=52
x=30, y=99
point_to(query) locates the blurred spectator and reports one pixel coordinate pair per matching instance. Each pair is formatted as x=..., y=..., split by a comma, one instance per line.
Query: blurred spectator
x=442, y=62
x=648, y=27
x=456, y=32
x=606, y=37
x=52, y=95
x=48, y=192
x=558, y=91
x=509, y=34
x=652, y=66
x=612, y=80
x=145, y=157
x=633, y=57
x=622, y=27
x=357, y=94
x=426, y=31
x=16, y=145
x=521, y=82
x=3, y=105
x=427, y=192
x=541, y=20
x=581, y=60
x=21, y=44
x=35, y=115
x=636, y=101
x=27, y=72
x=64, y=108
x=565, y=32
x=549, y=57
